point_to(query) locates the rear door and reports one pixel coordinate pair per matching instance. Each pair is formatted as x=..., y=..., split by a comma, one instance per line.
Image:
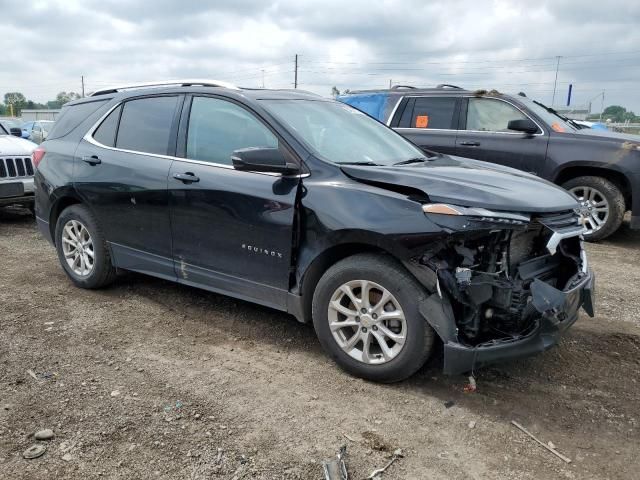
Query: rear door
x=429, y=122
x=121, y=173
x=232, y=230
x=484, y=136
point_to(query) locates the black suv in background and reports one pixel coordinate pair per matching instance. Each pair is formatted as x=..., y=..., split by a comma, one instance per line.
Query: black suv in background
x=309, y=206
x=602, y=169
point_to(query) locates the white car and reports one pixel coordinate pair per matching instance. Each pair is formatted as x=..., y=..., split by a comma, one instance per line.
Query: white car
x=16, y=170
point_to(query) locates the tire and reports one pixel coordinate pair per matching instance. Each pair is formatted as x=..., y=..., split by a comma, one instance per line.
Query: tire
x=381, y=273
x=609, y=192
x=102, y=271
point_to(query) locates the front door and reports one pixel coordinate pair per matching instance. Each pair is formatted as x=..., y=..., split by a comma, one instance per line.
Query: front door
x=232, y=230
x=121, y=173
x=484, y=136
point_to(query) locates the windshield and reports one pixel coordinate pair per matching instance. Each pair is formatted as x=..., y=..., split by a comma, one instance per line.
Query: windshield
x=46, y=126
x=341, y=134
x=553, y=120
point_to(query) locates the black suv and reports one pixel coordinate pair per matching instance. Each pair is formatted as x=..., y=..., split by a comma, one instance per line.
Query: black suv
x=311, y=207
x=602, y=169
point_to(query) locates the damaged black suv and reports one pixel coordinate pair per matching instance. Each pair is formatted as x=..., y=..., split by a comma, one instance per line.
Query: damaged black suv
x=311, y=207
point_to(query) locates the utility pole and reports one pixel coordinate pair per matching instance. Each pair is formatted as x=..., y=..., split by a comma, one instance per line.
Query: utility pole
x=263, y=78
x=82, y=81
x=390, y=83
x=555, y=83
x=602, y=106
x=295, y=73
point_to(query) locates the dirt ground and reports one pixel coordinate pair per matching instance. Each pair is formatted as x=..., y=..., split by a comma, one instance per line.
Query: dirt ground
x=148, y=379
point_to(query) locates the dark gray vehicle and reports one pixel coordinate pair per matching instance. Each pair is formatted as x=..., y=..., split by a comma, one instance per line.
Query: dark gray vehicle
x=601, y=169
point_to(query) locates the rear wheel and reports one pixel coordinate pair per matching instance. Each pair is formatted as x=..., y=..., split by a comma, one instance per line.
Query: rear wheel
x=365, y=313
x=82, y=249
x=602, y=204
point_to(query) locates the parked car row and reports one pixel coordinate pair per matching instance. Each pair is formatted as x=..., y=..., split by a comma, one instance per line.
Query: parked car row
x=309, y=206
x=36, y=131
x=602, y=169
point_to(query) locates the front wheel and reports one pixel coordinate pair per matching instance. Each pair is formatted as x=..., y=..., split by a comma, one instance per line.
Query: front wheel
x=602, y=205
x=365, y=313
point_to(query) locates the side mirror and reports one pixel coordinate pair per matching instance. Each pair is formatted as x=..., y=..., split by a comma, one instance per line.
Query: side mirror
x=262, y=159
x=523, y=125
x=16, y=132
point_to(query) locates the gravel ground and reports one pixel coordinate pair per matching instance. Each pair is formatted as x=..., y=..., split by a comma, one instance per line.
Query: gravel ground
x=147, y=379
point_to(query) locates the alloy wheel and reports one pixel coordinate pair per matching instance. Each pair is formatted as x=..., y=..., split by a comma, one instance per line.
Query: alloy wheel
x=594, y=207
x=367, y=322
x=77, y=246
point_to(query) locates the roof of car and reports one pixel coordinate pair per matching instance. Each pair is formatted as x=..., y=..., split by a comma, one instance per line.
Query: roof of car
x=444, y=89
x=196, y=87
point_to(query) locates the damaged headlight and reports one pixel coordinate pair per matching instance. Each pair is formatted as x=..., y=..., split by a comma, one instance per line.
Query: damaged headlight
x=477, y=214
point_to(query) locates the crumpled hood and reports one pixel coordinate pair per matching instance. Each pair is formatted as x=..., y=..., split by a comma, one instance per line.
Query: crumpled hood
x=10, y=145
x=471, y=183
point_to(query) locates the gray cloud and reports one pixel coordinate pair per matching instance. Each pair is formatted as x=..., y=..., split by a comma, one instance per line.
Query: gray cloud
x=351, y=44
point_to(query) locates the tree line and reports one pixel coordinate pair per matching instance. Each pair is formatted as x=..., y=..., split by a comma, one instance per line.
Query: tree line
x=15, y=102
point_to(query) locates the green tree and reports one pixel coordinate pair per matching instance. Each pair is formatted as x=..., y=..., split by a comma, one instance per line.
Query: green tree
x=615, y=113
x=17, y=100
x=334, y=91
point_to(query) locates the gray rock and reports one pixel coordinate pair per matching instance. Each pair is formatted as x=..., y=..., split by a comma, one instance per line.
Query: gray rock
x=34, y=451
x=46, y=434
x=67, y=457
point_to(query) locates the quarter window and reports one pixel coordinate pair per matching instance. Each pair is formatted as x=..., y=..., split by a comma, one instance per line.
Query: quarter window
x=217, y=128
x=145, y=125
x=488, y=115
x=433, y=112
x=106, y=132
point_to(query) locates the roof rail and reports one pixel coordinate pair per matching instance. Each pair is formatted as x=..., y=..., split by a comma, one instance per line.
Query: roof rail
x=447, y=85
x=166, y=83
x=398, y=87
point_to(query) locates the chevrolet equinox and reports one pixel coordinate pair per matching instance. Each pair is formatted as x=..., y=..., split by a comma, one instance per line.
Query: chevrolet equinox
x=311, y=207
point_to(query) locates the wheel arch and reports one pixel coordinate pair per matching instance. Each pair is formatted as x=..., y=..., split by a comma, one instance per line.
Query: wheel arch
x=309, y=278
x=57, y=208
x=580, y=170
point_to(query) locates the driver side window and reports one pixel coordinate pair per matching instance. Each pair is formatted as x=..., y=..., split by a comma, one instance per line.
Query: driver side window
x=217, y=128
x=489, y=115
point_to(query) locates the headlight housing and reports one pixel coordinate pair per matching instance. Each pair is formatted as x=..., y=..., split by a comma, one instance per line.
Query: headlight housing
x=477, y=214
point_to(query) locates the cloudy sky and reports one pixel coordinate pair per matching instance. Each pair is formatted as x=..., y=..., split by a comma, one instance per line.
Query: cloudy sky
x=509, y=45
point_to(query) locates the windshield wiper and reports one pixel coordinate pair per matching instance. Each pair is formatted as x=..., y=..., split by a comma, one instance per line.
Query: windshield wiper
x=554, y=112
x=413, y=160
x=370, y=164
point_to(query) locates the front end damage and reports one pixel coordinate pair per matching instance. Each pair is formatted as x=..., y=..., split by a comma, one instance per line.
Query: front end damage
x=504, y=288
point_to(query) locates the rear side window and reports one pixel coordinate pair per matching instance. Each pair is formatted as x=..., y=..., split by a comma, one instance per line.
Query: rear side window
x=73, y=115
x=488, y=115
x=217, y=128
x=145, y=124
x=433, y=112
x=106, y=132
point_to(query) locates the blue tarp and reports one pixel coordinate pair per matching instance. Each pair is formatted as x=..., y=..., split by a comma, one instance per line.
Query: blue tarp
x=372, y=104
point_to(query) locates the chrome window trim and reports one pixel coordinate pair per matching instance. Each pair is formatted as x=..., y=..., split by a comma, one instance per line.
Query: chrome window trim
x=393, y=112
x=542, y=130
x=89, y=138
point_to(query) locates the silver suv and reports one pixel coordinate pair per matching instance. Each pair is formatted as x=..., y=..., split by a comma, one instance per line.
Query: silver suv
x=16, y=170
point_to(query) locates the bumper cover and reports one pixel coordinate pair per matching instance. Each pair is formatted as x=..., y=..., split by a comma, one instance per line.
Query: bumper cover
x=559, y=311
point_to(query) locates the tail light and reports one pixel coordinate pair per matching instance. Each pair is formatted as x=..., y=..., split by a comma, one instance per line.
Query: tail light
x=37, y=155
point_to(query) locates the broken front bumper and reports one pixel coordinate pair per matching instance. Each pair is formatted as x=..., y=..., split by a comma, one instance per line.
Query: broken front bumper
x=559, y=310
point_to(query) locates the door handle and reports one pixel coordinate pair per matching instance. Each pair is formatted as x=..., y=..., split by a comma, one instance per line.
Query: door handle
x=92, y=160
x=186, y=177
x=470, y=144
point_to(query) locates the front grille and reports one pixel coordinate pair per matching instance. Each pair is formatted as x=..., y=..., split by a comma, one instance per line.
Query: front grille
x=15, y=167
x=559, y=220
